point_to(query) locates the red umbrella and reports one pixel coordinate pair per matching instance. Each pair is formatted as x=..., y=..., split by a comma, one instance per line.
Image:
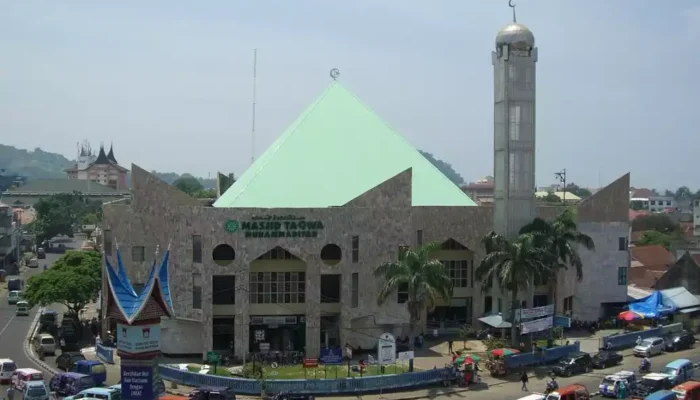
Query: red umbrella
x=504, y=352
x=629, y=316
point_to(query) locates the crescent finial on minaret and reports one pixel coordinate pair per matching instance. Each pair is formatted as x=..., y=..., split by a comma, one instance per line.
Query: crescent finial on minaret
x=512, y=5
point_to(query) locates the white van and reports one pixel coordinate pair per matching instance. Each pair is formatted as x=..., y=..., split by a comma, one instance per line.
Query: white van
x=45, y=344
x=7, y=367
x=33, y=263
x=22, y=308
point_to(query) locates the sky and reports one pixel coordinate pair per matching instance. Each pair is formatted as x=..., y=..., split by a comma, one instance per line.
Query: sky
x=169, y=82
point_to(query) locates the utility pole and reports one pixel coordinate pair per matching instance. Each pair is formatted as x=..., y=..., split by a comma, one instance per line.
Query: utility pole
x=561, y=175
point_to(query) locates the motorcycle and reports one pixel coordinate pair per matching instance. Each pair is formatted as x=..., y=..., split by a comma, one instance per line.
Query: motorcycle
x=644, y=367
x=552, y=386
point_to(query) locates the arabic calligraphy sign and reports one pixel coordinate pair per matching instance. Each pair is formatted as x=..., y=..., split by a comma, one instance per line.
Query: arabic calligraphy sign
x=275, y=226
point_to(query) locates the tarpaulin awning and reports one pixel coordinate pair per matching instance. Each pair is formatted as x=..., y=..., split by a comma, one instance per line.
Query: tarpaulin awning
x=653, y=306
x=495, y=321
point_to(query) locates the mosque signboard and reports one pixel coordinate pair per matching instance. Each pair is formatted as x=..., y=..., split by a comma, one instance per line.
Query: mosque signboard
x=275, y=226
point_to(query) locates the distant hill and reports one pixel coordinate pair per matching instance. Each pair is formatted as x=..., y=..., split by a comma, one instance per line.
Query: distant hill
x=40, y=164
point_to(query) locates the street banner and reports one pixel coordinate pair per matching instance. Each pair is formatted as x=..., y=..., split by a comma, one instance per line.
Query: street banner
x=537, y=325
x=537, y=312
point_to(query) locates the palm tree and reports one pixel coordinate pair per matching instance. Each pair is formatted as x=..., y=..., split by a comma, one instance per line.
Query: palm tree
x=422, y=276
x=560, y=237
x=515, y=265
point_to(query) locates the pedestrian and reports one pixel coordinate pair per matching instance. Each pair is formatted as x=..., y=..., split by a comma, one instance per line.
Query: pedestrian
x=524, y=380
x=10, y=393
x=622, y=389
x=639, y=340
x=449, y=346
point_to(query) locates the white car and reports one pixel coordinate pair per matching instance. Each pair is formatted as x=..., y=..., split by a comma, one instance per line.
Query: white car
x=35, y=390
x=13, y=297
x=7, y=367
x=649, y=347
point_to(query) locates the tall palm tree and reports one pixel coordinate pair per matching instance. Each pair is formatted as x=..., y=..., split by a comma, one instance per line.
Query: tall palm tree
x=422, y=276
x=561, y=237
x=515, y=265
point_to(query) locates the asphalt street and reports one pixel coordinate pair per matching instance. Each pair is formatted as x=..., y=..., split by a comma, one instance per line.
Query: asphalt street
x=14, y=329
x=511, y=390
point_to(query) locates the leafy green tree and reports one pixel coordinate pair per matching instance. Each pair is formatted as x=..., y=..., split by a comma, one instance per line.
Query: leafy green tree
x=655, y=237
x=669, y=193
x=90, y=219
x=205, y=194
x=188, y=184
x=58, y=214
x=562, y=239
x=549, y=198
x=444, y=167
x=74, y=281
x=421, y=276
x=577, y=190
x=655, y=222
x=683, y=193
x=515, y=265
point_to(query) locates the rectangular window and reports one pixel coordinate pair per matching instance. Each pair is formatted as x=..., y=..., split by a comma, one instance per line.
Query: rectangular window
x=138, y=254
x=402, y=293
x=419, y=237
x=488, y=304
x=223, y=289
x=568, y=304
x=622, y=243
x=196, y=248
x=622, y=276
x=277, y=287
x=471, y=274
x=469, y=309
x=107, y=241
x=458, y=271
x=500, y=304
x=355, y=294
x=197, y=291
x=330, y=288
x=355, y=249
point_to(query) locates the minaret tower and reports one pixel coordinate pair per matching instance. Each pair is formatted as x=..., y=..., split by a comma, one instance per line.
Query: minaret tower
x=514, y=127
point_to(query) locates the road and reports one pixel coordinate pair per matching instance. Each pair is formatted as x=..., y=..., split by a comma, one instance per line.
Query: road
x=511, y=390
x=13, y=329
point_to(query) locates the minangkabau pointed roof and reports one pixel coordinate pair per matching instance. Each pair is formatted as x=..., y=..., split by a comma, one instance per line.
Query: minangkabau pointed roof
x=128, y=302
x=102, y=157
x=110, y=155
x=334, y=152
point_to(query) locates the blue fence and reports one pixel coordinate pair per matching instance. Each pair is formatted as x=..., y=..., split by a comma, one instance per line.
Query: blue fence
x=628, y=340
x=541, y=357
x=106, y=354
x=311, y=386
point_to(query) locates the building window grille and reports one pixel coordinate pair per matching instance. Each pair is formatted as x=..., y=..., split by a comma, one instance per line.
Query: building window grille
x=622, y=243
x=458, y=271
x=138, y=254
x=355, y=294
x=355, y=249
x=419, y=237
x=197, y=291
x=488, y=304
x=622, y=276
x=568, y=304
x=402, y=293
x=277, y=287
x=197, y=249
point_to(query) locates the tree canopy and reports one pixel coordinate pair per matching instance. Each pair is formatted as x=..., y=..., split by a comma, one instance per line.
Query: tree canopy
x=74, y=280
x=655, y=222
x=444, y=167
x=577, y=190
x=188, y=184
x=655, y=237
x=58, y=214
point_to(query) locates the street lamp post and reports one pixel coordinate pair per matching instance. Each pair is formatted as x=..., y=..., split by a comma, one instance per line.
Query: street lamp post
x=561, y=175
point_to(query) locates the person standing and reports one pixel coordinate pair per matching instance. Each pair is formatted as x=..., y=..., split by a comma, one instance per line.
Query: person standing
x=10, y=393
x=622, y=389
x=524, y=379
x=450, y=343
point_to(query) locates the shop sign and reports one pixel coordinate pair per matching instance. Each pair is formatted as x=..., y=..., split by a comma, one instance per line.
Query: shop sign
x=275, y=226
x=332, y=356
x=536, y=325
x=138, y=338
x=311, y=363
x=348, y=351
x=137, y=382
x=537, y=312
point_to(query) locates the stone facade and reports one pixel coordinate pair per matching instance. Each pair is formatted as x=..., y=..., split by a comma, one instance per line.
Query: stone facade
x=382, y=218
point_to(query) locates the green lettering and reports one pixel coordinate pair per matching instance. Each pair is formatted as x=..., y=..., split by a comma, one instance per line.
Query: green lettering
x=319, y=225
x=302, y=225
x=292, y=226
x=245, y=226
x=247, y=234
x=314, y=234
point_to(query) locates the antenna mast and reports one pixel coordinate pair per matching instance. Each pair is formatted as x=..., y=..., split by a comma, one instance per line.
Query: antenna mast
x=255, y=95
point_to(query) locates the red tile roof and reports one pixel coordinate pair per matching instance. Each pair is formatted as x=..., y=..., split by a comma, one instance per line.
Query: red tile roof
x=654, y=256
x=644, y=277
x=642, y=193
x=634, y=214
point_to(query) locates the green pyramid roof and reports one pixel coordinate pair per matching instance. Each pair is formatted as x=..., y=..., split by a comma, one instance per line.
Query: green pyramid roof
x=335, y=151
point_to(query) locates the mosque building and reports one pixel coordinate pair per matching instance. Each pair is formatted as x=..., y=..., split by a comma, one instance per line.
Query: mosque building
x=284, y=259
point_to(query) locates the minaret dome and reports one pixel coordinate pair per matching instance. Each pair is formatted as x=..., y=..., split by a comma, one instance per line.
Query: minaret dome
x=517, y=35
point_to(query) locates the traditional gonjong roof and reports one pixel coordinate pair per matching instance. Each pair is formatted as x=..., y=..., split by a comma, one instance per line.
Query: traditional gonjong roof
x=129, y=303
x=110, y=155
x=102, y=157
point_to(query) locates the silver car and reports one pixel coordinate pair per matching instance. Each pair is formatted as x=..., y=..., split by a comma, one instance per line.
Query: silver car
x=35, y=390
x=649, y=347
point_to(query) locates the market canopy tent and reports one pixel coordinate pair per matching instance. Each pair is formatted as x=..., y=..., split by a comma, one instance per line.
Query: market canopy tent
x=654, y=306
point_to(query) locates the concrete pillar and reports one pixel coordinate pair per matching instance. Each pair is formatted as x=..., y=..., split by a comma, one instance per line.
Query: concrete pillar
x=241, y=327
x=313, y=308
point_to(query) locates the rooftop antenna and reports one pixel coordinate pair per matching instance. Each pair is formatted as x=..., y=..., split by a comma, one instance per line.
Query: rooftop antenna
x=255, y=95
x=511, y=5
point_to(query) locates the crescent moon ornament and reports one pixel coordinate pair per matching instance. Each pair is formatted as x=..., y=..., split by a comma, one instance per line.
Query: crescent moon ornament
x=335, y=73
x=510, y=4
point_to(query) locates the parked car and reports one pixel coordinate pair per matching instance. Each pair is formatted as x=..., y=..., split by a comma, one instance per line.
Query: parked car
x=606, y=359
x=649, y=347
x=44, y=344
x=574, y=363
x=679, y=341
x=35, y=390
x=97, y=393
x=66, y=360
